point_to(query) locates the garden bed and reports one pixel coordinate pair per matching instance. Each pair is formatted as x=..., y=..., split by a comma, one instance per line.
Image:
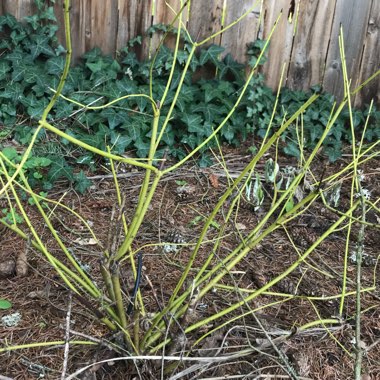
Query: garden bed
x=179, y=206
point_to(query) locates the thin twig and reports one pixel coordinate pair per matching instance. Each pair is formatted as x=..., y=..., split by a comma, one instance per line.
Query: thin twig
x=288, y=367
x=101, y=342
x=359, y=257
x=67, y=337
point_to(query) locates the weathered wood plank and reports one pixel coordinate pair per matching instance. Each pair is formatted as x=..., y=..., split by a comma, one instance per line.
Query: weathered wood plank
x=18, y=8
x=80, y=22
x=104, y=20
x=310, y=45
x=370, y=59
x=165, y=12
x=58, y=11
x=93, y=24
x=236, y=38
x=280, y=47
x=205, y=19
x=351, y=17
x=135, y=17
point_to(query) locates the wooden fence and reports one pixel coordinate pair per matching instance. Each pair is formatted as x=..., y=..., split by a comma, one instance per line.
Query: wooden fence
x=306, y=38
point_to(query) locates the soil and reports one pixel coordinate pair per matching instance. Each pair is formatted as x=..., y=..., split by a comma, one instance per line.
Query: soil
x=176, y=213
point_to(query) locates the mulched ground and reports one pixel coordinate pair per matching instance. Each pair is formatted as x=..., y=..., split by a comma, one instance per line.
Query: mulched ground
x=177, y=212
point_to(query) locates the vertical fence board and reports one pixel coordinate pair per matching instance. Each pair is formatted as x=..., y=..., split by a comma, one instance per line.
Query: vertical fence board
x=350, y=16
x=205, y=19
x=236, y=38
x=370, y=59
x=80, y=21
x=135, y=17
x=165, y=13
x=280, y=47
x=18, y=8
x=93, y=24
x=58, y=11
x=307, y=64
x=104, y=20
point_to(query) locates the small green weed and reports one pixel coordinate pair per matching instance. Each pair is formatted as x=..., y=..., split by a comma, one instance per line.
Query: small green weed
x=4, y=304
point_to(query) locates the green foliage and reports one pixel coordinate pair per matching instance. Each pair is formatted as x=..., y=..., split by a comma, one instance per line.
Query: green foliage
x=4, y=304
x=43, y=171
x=34, y=169
x=11, y=216
x=32, y=62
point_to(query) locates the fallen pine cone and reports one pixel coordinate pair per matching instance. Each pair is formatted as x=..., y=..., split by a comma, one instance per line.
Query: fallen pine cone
x=22, y=264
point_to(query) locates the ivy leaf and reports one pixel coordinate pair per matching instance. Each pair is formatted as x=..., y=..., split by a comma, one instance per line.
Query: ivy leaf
x=40, y=45
x=19, y=71
x=211, y=54
x=114, y=118
x=76, y=78
x=193, y=122
x=292, y=149
x=228, y=132
x=5, y=67
x=225, y=87
x=112, y=92
x=210, y=111
x=93, y=55
x=14, y=92
x=97, y=66
x=210, y=90
x=130, y=60
x=63, y=109
x=24, y=133
x=126, y=86
x=178, y=152
x=29, y=101
x=333, y=152
x=5, y=44
x=33, y=21
x=120, y=142
x=59, y=168
x=36, y=111
x=35, y=74
x=16, y=56
x=142, y=147
x=82, y=183
x=48, y=14
x=168, y=136
x=9, y=21
x=205, y=161
x=55, y=65
x=316, y=131
x=191, y=140
x=185, y=97
x=211, y=94
x=133, y=130
x=141, y=103
x=230, y=65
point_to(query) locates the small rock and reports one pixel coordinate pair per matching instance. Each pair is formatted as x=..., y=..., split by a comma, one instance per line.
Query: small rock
x=7, y=268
